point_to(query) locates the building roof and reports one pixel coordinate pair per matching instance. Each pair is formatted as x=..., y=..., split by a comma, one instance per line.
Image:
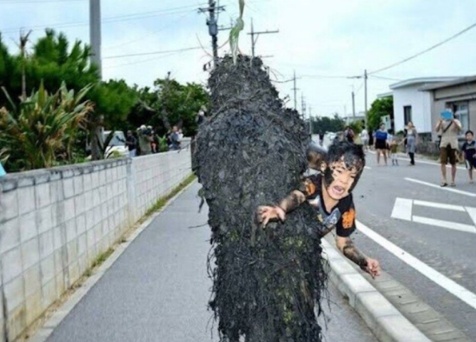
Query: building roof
x=422, y=81
x=455, y=82
x=385, y=95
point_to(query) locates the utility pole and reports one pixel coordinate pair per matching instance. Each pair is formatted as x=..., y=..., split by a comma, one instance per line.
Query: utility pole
x=253, y=40
x=95, y=33
x=353, y=104
x=303, y=106
x=213, y=26
x=365, y=86
x=23, y=42
x=295, y=91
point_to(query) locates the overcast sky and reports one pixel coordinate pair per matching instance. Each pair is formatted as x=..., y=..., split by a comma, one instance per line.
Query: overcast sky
x=323, y=41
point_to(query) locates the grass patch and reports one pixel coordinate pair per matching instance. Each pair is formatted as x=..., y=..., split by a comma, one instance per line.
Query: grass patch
x=163, y=200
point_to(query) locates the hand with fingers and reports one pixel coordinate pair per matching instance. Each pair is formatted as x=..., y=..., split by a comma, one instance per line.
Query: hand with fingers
x=269, y=213
x=373, y=267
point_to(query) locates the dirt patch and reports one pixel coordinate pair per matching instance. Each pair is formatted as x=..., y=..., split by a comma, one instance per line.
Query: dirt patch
x=252, y=152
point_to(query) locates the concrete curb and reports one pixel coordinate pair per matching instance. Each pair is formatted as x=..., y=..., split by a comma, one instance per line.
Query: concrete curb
x=43, y=333
x=385, y=321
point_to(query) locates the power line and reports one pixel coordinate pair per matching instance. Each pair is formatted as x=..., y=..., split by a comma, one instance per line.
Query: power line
x=324, y=76
x=385, y=78
x=153, y=53
x=149, y=34
x=141, y=61
x=424, y=51
x=35, y=2
x=107, y=20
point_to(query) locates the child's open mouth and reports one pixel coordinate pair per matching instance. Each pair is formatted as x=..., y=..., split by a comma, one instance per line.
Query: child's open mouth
x=338, y=190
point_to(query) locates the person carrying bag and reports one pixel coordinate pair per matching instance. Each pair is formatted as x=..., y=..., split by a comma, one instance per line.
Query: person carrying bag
x=448, y=128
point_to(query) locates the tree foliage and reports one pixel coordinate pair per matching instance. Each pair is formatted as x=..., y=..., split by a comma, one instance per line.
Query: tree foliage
x=55, y=63
x=379, y=108
x=41, y=130
x=326, y=124
x=169, y=103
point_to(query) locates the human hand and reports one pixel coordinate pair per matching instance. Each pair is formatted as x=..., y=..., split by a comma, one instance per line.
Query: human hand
x=266, y=213
x=372, y=268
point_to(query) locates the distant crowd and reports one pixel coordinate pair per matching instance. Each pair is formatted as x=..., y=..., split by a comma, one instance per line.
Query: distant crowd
x=144, y=141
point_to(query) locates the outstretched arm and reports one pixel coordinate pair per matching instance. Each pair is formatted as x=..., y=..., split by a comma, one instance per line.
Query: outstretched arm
x=290, y=202
x=347, y=247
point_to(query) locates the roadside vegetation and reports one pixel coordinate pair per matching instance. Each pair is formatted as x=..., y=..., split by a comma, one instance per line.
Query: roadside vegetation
x=53, y=104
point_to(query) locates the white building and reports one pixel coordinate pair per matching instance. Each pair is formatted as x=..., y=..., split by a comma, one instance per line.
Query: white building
x=412, y=104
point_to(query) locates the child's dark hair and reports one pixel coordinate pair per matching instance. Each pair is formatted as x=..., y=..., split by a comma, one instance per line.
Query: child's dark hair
x=351, y=154
x=469, y=131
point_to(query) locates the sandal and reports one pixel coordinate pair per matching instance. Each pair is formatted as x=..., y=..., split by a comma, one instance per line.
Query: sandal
x=452, y=185
x=444, y=184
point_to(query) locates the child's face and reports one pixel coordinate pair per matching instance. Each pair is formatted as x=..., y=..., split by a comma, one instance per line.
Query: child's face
x=340, y=181
x=469, y=137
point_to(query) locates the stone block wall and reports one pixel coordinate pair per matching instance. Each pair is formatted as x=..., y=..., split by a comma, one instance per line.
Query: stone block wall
x=54, y=223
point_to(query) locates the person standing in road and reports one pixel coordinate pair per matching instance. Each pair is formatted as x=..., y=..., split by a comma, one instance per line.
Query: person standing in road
x=330, y=192
x=349, y=134
x=321, y=138
x=364, y=137
x=412, y=138
x=381, y=137
x=448, y=128
x=131, y=143
x=469, y=149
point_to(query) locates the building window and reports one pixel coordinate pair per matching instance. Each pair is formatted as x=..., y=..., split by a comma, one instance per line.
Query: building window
x=461, y=110
x=407, y=114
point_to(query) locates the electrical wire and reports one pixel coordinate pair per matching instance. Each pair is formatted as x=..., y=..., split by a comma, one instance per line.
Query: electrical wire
x=424, y=51
x=141, y=61
x=112, y=47
x=107, y=20
x=152, y=53
x=35, y=2
x=324, y=76
x=385, y=78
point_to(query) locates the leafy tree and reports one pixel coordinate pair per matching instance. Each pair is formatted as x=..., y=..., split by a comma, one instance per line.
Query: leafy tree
x=114, y=100
x=170, y=103
x=113, y=103
x=378, y=109
x=326, y=124
x=41, y=131
x=54, y=62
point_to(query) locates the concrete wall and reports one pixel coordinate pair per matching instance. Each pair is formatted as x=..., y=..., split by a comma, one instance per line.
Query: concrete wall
x=54, y=223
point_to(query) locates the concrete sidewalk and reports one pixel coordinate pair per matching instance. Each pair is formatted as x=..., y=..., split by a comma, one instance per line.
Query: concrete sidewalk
x=158, y=289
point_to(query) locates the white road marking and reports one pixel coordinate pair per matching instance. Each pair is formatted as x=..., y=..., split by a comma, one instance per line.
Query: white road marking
x=439, y=205
x=445, y=224
x=446, y=283
x=446, y=188
x=472, y=213
x=402, y=209
x=367, y=167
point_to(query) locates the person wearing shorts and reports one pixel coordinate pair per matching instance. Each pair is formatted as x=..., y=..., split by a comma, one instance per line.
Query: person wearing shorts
x=469, y=150
x=381, y=147
x=448, y=129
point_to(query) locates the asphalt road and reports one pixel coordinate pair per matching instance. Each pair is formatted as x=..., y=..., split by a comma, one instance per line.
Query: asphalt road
x=158, y=289
x=425, y=225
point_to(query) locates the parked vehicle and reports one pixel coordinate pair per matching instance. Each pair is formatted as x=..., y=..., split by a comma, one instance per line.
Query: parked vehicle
x=117, y=145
